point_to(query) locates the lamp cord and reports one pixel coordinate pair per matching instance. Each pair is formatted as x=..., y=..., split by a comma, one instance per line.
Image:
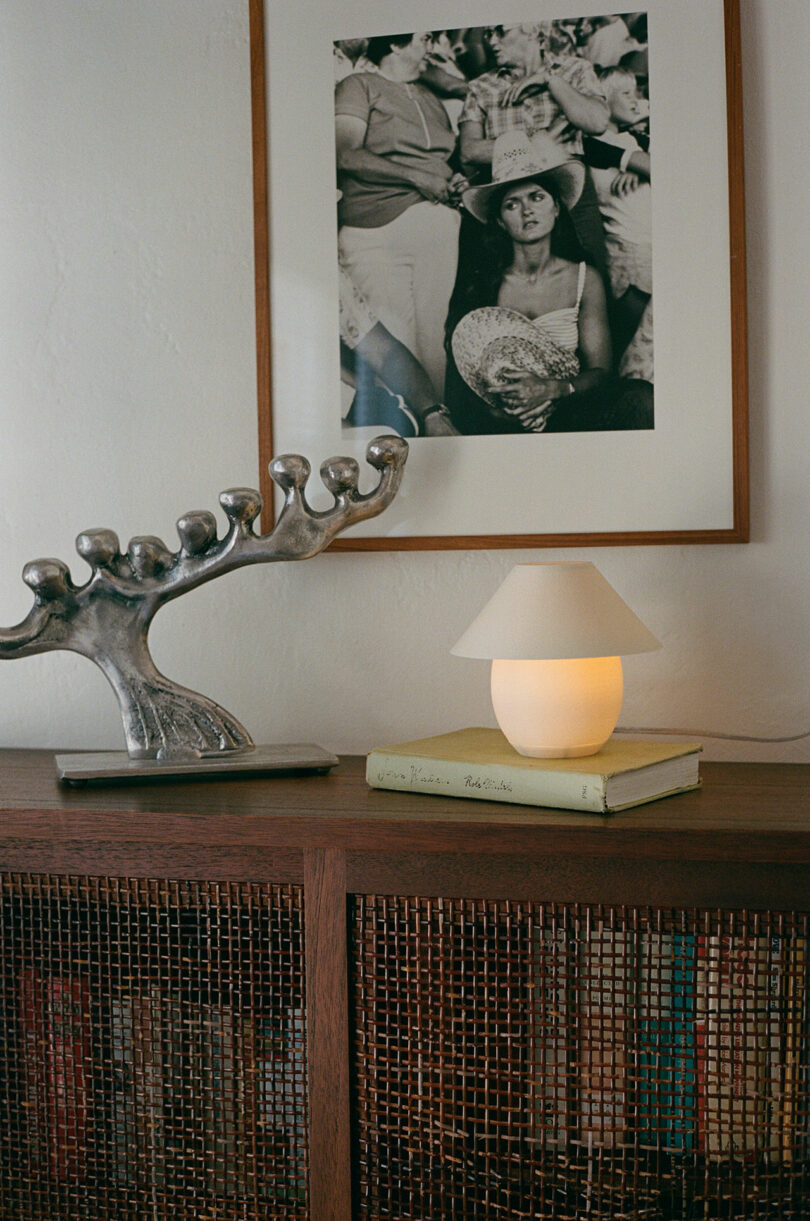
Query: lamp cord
x=704, y=733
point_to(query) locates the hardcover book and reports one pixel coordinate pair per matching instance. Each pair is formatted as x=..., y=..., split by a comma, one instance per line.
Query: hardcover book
x=795, y=1085
x=550, y=1020
x=666, y=1040
x=734, y=1071
x=55, y=1018
x=281, y=1081
x=480, y=763
x=604, y=1003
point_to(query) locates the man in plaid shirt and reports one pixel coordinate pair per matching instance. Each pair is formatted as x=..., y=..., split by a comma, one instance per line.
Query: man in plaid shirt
x=534, y=90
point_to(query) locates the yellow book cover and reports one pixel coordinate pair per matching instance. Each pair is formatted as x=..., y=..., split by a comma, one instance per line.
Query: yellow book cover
x=480, y=763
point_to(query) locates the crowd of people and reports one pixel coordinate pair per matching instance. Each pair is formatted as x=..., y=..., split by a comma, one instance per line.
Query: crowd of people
x=494, y=228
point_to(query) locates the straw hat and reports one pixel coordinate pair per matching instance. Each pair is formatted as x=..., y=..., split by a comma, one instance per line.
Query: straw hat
x=491, y=339
x=516, y=156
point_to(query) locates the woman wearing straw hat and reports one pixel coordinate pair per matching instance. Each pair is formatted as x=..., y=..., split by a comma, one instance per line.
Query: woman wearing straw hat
x=529, y=333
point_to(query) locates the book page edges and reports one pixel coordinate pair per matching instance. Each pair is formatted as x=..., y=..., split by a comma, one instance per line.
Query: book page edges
x=645, y=801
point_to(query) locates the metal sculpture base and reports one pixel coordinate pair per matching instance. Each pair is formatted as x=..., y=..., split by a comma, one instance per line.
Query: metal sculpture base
x=116, y=766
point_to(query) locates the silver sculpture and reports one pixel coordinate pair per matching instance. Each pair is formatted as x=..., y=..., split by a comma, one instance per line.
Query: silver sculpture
x=108, y=618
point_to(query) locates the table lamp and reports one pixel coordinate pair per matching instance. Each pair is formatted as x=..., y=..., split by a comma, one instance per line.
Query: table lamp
x=555, y=633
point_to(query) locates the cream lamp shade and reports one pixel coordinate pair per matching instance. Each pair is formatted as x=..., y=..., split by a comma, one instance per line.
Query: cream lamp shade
x=555, y=633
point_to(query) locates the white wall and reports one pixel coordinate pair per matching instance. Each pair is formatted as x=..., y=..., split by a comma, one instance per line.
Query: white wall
x=127, y=396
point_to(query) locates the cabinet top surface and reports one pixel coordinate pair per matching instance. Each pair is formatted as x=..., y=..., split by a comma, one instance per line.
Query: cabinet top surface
x=743, y=811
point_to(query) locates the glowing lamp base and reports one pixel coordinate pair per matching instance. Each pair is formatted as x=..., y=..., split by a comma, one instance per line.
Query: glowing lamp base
x=560, y=709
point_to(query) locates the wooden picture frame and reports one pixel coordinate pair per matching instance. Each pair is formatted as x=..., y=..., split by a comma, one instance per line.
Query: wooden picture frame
x=713, y=343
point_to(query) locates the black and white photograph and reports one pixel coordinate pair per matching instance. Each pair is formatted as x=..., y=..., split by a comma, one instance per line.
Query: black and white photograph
x=462, y=221
x=494, y=228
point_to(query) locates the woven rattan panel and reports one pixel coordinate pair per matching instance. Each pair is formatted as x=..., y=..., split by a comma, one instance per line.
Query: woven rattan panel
x=516, y=1060
x=151, y=1050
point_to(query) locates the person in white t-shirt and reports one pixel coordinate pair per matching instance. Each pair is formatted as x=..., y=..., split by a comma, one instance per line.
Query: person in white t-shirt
x=608, y=41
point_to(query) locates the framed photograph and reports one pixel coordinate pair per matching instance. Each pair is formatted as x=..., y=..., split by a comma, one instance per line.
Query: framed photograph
x=460, y=232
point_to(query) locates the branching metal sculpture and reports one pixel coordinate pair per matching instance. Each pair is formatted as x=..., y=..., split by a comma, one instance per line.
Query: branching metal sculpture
x=108, y=618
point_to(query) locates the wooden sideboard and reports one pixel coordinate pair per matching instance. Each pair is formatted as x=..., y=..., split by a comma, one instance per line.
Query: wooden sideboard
x=301, y=997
